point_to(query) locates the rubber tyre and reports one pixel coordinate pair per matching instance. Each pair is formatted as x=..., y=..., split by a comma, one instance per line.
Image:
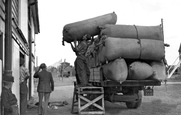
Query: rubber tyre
x=135, y=104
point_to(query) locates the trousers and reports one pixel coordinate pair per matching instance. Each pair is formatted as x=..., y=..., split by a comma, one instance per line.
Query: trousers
x=42, y=107
x=23, y=98
x=82, y=71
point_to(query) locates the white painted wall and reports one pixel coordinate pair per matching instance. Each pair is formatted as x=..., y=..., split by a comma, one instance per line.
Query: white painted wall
x=27, y=66
x=23, y=24
x=32, y=79
x=33, y=51
x=23, y=17
x=16, y=69
x=33, y=36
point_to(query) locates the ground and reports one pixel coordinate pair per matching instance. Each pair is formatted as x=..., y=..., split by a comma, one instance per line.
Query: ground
x=166, y=101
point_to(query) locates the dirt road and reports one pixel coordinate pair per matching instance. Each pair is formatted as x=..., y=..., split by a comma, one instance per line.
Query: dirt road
x=166, y=101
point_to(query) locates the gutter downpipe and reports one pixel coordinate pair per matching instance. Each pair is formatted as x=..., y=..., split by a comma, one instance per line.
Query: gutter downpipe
x=30, y=63
x=1, y=58
x=30, y=51
x=8, y=38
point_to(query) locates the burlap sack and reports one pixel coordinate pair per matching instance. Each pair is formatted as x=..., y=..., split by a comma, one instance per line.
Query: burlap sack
x=140, y=71
x=78, y=29
x=116, y=70
x=131, y=31
x=134, y=49
x=121, y=47
x=159, y=69
x=152, y=49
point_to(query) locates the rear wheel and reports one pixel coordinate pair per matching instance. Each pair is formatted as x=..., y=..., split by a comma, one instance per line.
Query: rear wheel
x=135, y=104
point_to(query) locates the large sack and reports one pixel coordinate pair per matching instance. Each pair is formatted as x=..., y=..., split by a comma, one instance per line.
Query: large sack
x=116, y=70
x=152, y=49
x=132, y=31
x=78, y=29
x=121, y=47
x=159, y=69
x=134, y=49
x=139, y=71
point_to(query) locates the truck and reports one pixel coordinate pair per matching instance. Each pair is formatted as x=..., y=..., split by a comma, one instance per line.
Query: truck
x=130, y=91
x=128, y=88
x=132, y=44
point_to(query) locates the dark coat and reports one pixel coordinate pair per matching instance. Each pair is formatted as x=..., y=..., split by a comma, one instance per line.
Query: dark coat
x=8, y=101
x=46, y=83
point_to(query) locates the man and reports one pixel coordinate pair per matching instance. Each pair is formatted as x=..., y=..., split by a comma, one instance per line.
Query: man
x=179, y=51
x=24, y=75
x=9, y=100
x=45, y=87
x=81, y=65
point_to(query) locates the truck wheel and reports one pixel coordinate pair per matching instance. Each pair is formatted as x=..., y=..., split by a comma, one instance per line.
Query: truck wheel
x=135, y=104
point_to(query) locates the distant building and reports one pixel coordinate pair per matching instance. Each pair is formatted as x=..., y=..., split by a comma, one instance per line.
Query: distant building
x=57, y=63
x=68, y=71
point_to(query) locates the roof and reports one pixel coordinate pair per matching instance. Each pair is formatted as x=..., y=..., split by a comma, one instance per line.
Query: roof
x=33, y=4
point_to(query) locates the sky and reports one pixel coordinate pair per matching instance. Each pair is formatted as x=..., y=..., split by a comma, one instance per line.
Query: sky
x=54, y=15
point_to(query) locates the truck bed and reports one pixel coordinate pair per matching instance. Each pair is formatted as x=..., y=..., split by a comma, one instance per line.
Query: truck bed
x=131, y=83
x=97, y=80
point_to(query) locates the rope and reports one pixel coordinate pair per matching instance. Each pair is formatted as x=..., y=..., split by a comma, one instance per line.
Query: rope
x=139, y=42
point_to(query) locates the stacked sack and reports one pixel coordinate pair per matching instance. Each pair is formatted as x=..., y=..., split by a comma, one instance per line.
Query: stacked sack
x=127, y=52
x=144, y=45
x=76, y=30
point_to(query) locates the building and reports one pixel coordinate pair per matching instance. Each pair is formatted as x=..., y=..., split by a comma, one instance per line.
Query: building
x=19, y=24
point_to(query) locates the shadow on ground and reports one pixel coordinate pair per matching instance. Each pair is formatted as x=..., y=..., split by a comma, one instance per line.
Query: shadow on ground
x=155, y=107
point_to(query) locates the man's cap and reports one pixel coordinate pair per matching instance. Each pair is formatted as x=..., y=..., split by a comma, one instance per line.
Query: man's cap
x=8, y=78
x=87, y=36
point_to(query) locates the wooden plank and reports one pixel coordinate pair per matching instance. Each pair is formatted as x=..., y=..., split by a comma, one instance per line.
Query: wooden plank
x=2, y=10
x=2, y=5
x=2, y=25
x=74, y=101
x=92, y=113
x=2, y=15
x=15, y=10
x=90, y=90
x=84, y=108
x=89, y=102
